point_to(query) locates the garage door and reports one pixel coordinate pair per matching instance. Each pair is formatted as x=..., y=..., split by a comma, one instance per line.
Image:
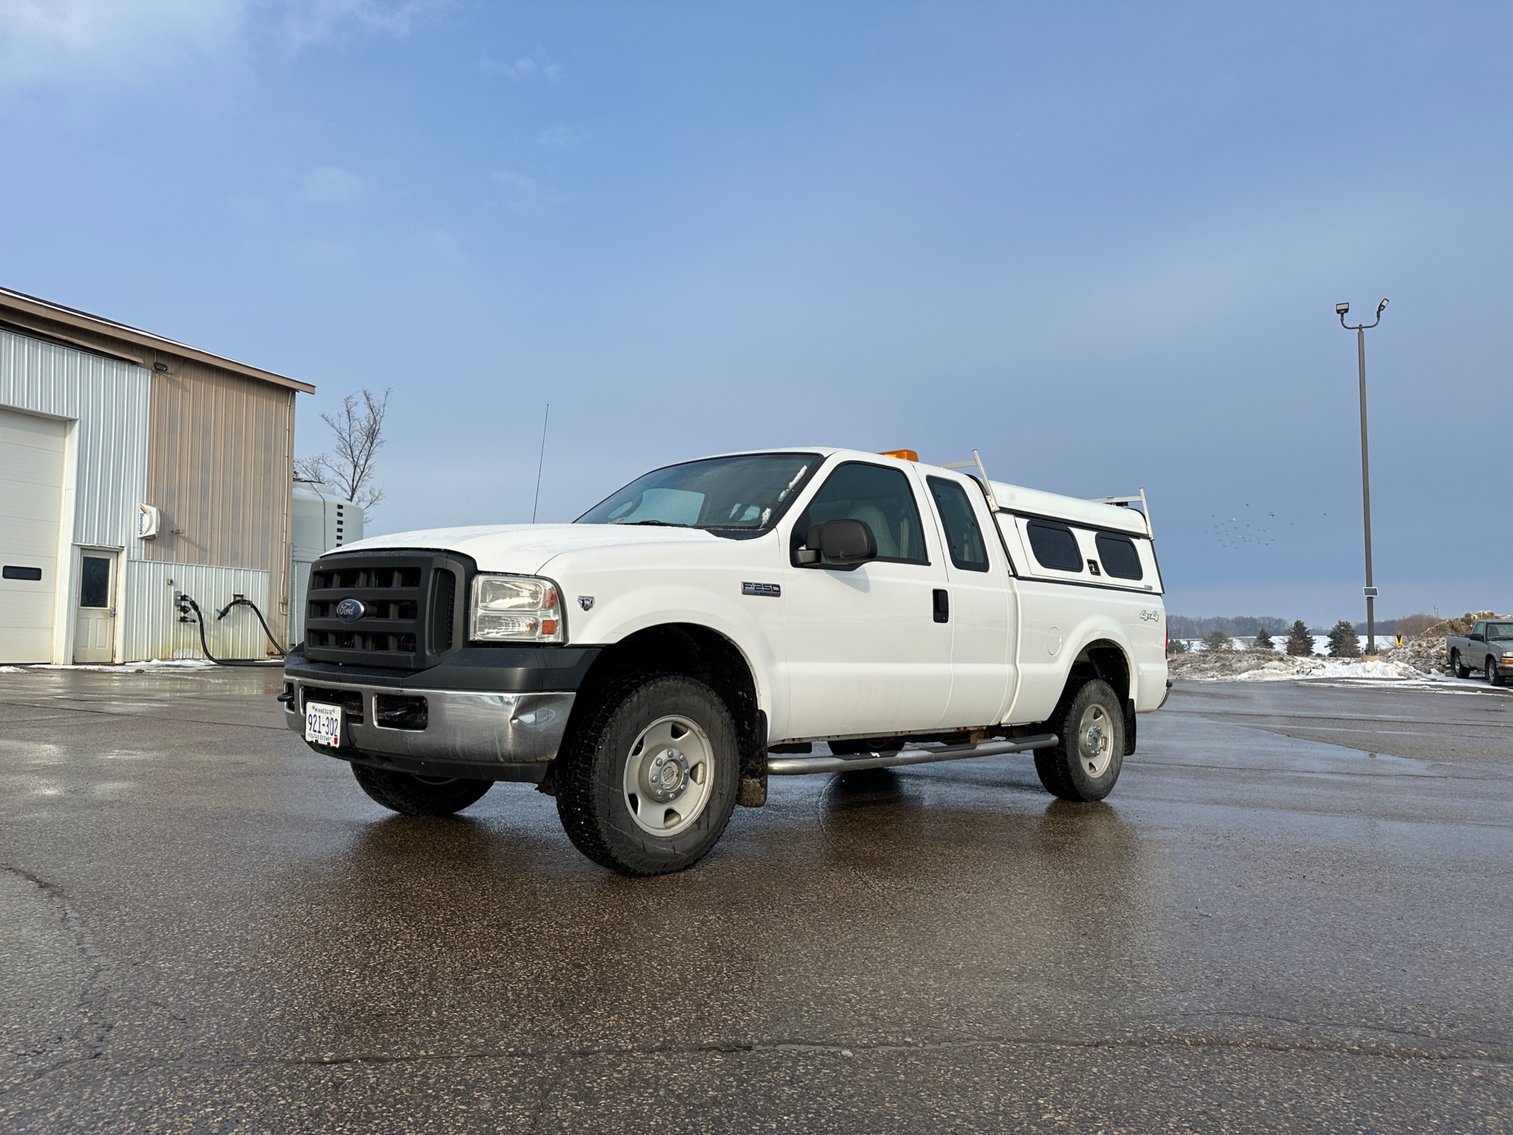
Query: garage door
x=31, y=497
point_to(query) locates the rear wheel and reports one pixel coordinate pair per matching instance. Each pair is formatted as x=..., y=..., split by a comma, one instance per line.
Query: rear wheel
x=412, y=795
x=1455, y=665
x=1086, y=760
x=647, y=783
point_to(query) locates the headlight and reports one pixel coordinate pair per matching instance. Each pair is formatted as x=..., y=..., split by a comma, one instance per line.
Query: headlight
x=515, y=608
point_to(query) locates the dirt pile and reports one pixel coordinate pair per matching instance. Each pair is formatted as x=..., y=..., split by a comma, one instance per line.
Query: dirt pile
x=1426, y=652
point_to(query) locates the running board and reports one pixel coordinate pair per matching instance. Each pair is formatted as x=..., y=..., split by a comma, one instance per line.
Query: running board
x=797, y=766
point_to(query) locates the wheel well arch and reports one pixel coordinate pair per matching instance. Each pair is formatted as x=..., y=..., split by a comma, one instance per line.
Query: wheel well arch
x=693, y=651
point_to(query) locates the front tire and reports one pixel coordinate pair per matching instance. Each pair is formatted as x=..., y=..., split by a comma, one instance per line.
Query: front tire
x=411, y=795
x=1494, y=675
x=647, y=783
x=1086, y=760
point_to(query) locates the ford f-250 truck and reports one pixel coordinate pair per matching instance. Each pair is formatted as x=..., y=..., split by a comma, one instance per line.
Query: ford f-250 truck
x=1488, y=648
x=703, y=628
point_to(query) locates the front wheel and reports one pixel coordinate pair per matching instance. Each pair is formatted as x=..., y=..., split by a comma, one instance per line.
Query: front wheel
x=646, y=785
x=1494, y=675
x=1086, y=760
x=412, y=795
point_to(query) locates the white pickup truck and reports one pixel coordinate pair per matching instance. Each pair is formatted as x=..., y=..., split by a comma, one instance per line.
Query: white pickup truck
x=703, y=628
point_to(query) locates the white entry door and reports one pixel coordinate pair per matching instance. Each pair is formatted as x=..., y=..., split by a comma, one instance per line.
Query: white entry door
x=95, y=626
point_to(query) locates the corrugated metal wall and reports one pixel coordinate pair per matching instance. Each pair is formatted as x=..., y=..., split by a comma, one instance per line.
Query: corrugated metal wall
x=220, y=465
x=109, y=400
x=154, y=630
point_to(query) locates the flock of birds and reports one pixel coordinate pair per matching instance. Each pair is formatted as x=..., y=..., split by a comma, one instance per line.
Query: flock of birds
x=1250, y=529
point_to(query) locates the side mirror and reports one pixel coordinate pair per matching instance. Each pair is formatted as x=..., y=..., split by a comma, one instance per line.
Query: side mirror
x=844, y=544
x=1478, y=638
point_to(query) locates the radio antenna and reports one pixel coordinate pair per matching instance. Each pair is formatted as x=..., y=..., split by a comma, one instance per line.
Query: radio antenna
x=541, y=461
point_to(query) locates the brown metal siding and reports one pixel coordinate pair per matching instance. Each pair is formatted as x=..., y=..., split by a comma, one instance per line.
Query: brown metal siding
x=220, y=459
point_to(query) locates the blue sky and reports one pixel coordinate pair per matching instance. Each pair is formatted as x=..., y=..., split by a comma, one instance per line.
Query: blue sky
x=1100, y=243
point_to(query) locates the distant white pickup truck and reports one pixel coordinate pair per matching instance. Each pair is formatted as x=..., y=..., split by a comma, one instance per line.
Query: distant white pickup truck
x=1488, y=648
x=704, y=627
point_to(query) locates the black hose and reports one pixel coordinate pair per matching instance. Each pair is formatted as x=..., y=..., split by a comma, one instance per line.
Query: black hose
x=199, y=621
x=241, y=601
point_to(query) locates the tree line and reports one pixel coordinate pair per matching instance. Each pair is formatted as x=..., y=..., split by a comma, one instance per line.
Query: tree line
x=1247, y=626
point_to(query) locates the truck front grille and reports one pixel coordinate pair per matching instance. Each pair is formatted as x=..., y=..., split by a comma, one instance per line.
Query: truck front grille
x=409, y=616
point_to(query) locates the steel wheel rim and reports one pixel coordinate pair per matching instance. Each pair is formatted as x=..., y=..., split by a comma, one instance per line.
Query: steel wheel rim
x=669, y=775
x=1095, y=741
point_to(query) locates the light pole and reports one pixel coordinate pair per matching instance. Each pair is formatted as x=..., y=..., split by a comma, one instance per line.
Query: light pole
x=1360, y=330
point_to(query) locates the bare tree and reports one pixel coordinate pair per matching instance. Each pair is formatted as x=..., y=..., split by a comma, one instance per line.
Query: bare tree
x=350, y=466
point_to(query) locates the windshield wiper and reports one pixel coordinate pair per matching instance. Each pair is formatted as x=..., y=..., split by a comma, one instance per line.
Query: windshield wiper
x=656, y=523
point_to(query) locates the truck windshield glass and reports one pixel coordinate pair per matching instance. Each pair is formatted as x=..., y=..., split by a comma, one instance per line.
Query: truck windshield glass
x=744, y=494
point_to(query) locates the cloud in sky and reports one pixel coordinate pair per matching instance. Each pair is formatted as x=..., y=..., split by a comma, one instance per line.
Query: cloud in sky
x=60, y=42
x=332, y=185
x=305, y=23
x=537, y=65
x=561, y=138
x=72, y=43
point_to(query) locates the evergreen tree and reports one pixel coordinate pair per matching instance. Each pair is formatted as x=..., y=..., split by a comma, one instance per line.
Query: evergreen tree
x=1263, y=640
x=1177, y=646
x=1217, y=639
x=1342, y=640
x=1299, y=641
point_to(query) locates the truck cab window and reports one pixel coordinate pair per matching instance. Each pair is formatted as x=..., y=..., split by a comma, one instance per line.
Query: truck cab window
x=881, y=499
x=963, y=533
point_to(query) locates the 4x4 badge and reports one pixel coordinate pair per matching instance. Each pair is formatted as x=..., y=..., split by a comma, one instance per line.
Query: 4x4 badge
x=585, y=601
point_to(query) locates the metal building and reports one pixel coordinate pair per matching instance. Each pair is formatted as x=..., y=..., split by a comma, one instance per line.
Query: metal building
x=133, y=470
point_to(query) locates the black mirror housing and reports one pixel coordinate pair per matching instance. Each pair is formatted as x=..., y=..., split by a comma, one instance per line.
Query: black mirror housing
x=844, y=544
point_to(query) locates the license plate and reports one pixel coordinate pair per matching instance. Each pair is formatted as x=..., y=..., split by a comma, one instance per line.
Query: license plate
x=323, y=723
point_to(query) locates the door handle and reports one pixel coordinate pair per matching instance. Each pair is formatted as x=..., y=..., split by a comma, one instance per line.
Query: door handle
x=942, y=605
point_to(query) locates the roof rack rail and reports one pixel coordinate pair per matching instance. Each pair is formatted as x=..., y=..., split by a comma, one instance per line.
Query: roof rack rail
x=1127, y=502
x=987, y=484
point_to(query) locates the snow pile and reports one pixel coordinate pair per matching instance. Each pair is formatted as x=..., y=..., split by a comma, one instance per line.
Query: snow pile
x=1426, y=652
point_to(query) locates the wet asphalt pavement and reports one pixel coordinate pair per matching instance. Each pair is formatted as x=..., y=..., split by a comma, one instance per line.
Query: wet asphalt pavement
x=1295, y=913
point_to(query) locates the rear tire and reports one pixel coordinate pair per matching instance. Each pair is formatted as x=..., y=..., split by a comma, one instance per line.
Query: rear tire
x=1086, y=760
x=411, y=795
x=647, y=782
x=1455, y=665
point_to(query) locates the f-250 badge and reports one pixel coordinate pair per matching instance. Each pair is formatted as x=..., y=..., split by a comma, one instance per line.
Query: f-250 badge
x=767, y=590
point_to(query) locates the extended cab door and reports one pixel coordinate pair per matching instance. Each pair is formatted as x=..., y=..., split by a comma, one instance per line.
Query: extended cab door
x=982, y=604
x=866, y=655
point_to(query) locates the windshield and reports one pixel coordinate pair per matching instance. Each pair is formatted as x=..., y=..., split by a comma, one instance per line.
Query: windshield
x=1500, y=630
x=743, y=494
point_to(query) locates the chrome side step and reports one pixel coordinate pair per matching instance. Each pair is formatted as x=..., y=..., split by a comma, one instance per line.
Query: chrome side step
x=798, y=766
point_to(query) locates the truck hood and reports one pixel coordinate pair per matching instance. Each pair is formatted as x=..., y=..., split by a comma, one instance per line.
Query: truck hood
x=527, y=548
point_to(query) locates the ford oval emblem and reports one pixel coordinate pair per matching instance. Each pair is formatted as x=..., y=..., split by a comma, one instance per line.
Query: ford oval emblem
x=350, y=610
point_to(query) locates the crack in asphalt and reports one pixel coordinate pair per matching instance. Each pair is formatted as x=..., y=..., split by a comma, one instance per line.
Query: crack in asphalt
x=1366, y=1049
x=95, y=1025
